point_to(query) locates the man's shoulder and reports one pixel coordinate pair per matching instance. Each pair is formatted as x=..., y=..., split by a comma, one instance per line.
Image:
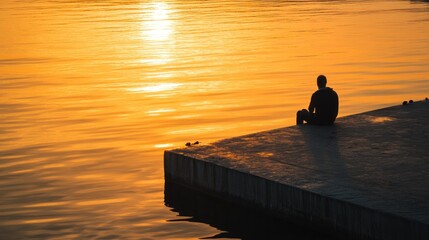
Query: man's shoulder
x=325, y=92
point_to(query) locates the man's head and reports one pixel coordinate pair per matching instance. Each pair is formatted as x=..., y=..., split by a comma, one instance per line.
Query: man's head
x=321, y=81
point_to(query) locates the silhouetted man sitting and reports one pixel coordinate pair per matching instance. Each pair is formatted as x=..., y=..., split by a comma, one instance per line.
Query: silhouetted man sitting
x=324, y=101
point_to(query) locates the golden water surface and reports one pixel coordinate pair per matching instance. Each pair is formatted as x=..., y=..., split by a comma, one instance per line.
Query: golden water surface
x=92, y=92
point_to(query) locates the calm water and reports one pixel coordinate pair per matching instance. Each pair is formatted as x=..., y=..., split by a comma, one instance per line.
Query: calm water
x=92, y=92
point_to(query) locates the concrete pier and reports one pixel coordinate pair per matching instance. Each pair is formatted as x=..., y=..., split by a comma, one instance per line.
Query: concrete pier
x=366, y=177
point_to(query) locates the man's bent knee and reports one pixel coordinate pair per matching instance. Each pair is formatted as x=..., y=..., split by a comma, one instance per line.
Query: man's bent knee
x=299, y=117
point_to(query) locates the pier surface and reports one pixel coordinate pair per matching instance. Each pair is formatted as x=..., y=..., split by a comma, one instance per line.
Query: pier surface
x=366, y=177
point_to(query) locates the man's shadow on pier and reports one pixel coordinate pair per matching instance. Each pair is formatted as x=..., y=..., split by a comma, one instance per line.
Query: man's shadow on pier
x=325, y=152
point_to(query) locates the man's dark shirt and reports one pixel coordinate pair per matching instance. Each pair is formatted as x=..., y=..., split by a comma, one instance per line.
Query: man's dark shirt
x=325, y=101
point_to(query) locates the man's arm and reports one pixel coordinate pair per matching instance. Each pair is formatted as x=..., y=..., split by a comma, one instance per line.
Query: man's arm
x=311, y=106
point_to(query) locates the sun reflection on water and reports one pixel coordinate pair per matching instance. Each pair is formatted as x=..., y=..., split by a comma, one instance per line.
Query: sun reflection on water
x=163, y=145
x=158, y=87
x=159, y=27
x=157, y=31
x=158, y=112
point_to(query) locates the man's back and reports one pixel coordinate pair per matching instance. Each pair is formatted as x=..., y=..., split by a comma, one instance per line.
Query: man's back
x=325, y=102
